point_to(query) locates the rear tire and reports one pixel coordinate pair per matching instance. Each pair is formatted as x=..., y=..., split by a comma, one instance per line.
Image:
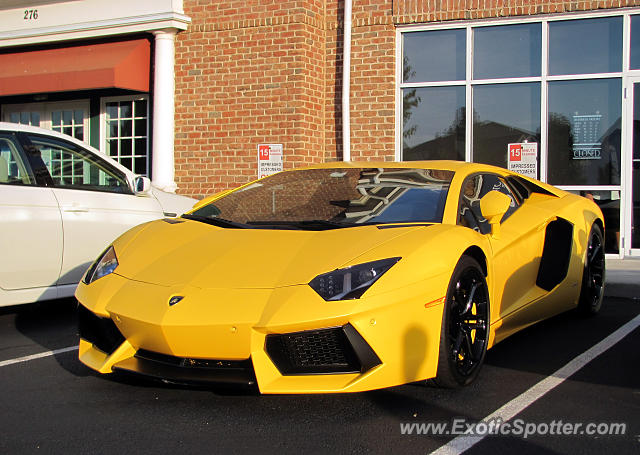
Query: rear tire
x=593, y=275
x=465, y=326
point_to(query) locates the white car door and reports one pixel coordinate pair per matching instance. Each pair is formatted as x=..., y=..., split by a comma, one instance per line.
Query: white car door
x=96, y=202
x=30, y=223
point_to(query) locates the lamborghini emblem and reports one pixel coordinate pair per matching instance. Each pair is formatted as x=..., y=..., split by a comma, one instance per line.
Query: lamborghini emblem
x=175, y=299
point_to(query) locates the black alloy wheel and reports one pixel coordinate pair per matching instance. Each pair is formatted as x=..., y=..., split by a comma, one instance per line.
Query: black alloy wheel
x=593, y=275
x=465, y=326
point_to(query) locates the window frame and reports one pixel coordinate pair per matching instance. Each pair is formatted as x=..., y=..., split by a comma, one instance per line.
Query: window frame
x=543, y=79
x=86, y=155
x=104, y=126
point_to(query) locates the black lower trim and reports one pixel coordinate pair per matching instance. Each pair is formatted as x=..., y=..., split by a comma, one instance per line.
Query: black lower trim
x=181, y=370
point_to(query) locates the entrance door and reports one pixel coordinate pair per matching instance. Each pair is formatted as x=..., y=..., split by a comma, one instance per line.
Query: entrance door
x=633, y=170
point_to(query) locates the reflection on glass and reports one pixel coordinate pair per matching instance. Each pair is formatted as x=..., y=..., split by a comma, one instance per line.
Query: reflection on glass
x=126, y=127
x=609, y=203
x=112, y=147
x=433, y=123
x=125, y=146
x=112, y=110
x=507, y=51
x=585, y=46
x=140, y=127
x=125, y=109
x=635, y=216
x=636, y=121
x=437, y=55
x=584, y=132
x=634, y=61
x=141, y=166
x=141, y=108
x=141, y=147
x=635, y=178
x=504, y=114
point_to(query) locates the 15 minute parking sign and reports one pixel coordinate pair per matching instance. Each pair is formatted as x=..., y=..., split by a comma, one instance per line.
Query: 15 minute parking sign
x=269, y=159
x=523, y=158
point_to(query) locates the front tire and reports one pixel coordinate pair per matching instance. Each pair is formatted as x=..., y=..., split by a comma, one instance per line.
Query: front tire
x=593, y=275
x=465, y=326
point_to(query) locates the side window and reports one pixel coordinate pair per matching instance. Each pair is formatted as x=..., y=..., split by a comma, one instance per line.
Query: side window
x=473, y=189
x=14, y=168
x=73, y=167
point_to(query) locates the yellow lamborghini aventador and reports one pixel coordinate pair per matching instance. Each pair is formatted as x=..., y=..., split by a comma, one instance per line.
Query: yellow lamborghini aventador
x=342, y=277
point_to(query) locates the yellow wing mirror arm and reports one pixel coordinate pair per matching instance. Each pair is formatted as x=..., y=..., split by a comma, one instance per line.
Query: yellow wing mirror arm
x=493, y=206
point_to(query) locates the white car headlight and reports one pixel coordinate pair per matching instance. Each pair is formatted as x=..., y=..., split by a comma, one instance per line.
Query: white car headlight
x=350, y=282
x=105, y=265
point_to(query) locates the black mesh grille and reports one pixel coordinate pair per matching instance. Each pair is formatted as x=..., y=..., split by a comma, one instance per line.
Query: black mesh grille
x=101, y=332
x=312, y=352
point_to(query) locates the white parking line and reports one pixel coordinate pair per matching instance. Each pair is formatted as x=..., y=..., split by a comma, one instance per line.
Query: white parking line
x=512, y=408
x=40, y=355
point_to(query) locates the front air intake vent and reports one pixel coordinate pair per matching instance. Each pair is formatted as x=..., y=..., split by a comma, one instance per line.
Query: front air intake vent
x=323, y=351
x=101, y=332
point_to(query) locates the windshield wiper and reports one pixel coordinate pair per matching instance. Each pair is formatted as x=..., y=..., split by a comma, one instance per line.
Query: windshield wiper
x=220, y=222
x=308, y=225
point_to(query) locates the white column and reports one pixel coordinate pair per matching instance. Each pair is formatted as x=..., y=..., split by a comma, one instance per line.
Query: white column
x=162, y=165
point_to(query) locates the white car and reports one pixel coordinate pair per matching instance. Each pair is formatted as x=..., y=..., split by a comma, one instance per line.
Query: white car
x=62, y=203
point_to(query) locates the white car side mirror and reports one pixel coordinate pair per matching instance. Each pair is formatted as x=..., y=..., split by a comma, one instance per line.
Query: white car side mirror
x=142, y=185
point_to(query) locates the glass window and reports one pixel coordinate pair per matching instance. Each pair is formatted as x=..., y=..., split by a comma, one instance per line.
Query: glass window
x=504, y=114
x=634, y=63
x=25, y=118
x=507, y=51
x=433, y=123
x=585, y=46
x=609, y=203
x=584, y=132
x=475, y=188
x=434, y=56
x=334, y=198
x=13, y=167
x=69, y=122
x=127, y=133
x=73, y=167
x=635, y=215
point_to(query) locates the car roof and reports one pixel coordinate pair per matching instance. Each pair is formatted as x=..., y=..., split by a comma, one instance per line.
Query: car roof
x=6, y=126
x=449, y=165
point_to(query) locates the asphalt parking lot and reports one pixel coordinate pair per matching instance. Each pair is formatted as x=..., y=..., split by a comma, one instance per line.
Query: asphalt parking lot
x=540, y=378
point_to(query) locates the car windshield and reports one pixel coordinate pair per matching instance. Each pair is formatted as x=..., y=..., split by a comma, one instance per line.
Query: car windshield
x=318, y=199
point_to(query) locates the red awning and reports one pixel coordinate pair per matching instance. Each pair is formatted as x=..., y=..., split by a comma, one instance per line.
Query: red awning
x=121, y=65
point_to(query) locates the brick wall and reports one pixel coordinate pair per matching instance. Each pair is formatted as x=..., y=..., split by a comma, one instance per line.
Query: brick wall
x=270, y=71
x=247, y=72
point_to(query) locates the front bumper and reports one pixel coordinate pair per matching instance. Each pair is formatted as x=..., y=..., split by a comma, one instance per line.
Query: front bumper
x=295, y=343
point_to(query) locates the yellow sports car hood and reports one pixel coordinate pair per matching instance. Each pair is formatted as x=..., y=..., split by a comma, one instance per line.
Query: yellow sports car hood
x=181, y=252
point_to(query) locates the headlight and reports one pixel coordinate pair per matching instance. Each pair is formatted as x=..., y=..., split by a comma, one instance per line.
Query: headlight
x=350, y=282
x=105, y=265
